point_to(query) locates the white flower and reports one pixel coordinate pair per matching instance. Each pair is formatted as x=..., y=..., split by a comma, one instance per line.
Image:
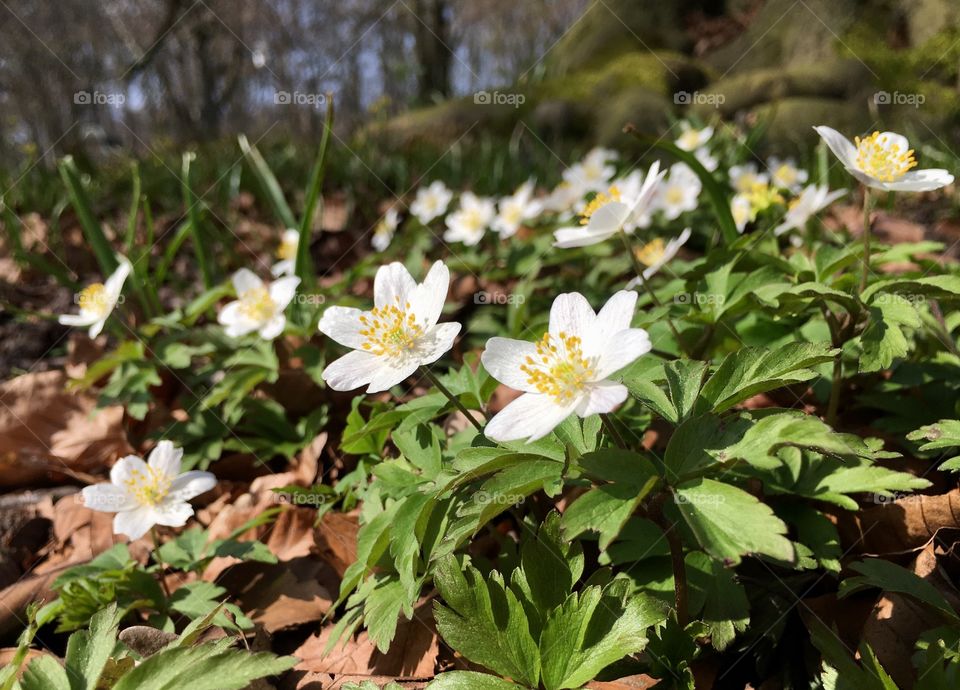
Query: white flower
x=631, y=190
x=785, y=174
x=287, y=253
x=431, y=202
x=563, y=198
x=883, y=160
x=259, y=306
x=567, y=370
x=515, y=210
x=678, y=192
x=98, y=300
x=742, y=211
x=593, y=173
x=812, y=200
x=611, y=212
x=144, y=494
x=692, y=138
x=655, y=254
x=743, y=178
x=394, y=338
x=707, y=160
x=469, y=223
x=386, y=228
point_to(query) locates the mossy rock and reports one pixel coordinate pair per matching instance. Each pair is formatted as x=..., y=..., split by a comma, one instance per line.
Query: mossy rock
x=832, y=79
x=614, y=27
x=789, y=33
x=663, y=72
x=789, y=122
x=926, y=18
x=649, y=112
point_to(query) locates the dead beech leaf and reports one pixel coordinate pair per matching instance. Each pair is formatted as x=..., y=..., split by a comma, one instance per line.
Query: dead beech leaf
x=30, y=588
x=899, y=526
x=638, y=682
x=44, y=428
x=336, y=538
x=299, y=680
x=413, y=653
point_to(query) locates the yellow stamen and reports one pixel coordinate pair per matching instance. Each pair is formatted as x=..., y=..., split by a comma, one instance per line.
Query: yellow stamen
x=287, y=249
x=390, y=330
x=598, y=202
x=881, y=159
x=257, y=305
x=148, y=488
x=559, y=369
x=93, y=298
x=651, y=252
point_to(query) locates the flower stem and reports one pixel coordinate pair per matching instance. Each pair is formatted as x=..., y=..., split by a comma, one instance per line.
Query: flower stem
x=454, y=399
x=160, y=563
x=638, y=269
x=612, y=431
x=867, y=204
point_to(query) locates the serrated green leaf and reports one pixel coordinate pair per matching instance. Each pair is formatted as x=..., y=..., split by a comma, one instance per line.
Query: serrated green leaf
x=890, y=577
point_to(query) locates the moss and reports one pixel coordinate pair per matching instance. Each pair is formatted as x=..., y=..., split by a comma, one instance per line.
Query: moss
x=789, y=121
x=649, y=112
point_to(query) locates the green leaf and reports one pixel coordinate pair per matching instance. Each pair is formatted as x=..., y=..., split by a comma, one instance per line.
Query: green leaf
x=725, y=608
x=303, y=265
x=382, y=609
x=268, y=182
x=88, y=222
x=729, y=523
x=484, y=621
x=884, y=339
x=196, y=224
x=753, y=370
x=942, y=434
x=204, y=667
x=550, y=567
x=89, y=651
x=850, y=675
x=890, y=577
x=700, y=443
x=469, y=680
x=44, y=673
x=592, y=630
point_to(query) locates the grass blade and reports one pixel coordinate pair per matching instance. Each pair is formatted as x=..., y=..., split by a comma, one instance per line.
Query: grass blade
x=268, y=182
x=194, y=220
x=91, y=227
x=304, y=265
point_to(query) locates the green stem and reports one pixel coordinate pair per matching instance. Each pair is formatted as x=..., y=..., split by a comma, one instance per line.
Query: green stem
x=454, y=399
x=867, y=204
x=638, y=269
x=160, y=563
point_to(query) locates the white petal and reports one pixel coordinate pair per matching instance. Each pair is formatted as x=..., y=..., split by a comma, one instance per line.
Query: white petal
x=229, y=314
x=134, y=523
x=244, y=280
x=921, y=181
x=567, y=238
x=114, y=283
x=107, y=498
x=342, y=324
x=842, y=147
x=609, y=218
x=351, y=371
x=617, y=313
x=190, y=484
x=889, y=140
x=240, y=326
x=77, y=319
x=392, y=372
x=426, y=300
x=96, y=327
x=123, y=470
x=602, y=397
x=283, y=268
x=283, y=290
x=165, y=458
x=531, y=416
x=274, y=327
x=172, y=513
x=432, y=345
x=392, y=284
x=503, y=358
x=571, y=314
x=622, y=349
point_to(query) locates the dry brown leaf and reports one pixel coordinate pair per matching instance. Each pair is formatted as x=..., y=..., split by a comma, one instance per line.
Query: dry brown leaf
x=45, y=429
x=899, y=526
x=300, y=680
x=16, y=597
x=639, y=682
x=336, y=538
x=413, y=653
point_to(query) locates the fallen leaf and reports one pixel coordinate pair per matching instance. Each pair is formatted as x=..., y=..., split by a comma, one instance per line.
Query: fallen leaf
x=899, y=526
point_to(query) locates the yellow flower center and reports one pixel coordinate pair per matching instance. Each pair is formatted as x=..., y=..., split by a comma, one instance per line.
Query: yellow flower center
x=598, y=202
x=651, y=252
x=473, y=220
x=287, y=249
x=382, y=229
x=689, y=139
x=762, y=196
x=257, y=305
x=150, y=487
x=882, y=159
x=94, y=298
x=673, y=195
x=559, y=368
x=513, y=214
x=390, y=330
